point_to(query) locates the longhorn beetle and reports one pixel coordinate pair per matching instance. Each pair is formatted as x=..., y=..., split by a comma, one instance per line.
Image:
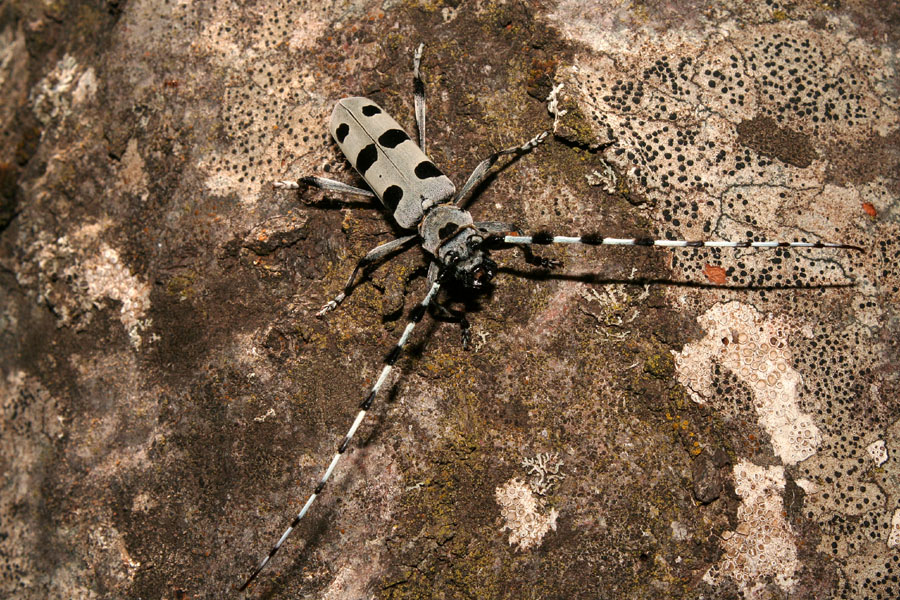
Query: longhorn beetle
x=425, y=202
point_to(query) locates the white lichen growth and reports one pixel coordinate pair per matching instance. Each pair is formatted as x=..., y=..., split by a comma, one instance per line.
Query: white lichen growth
x=878, y=452
x=107, y=277
x=521, y=512
x=553, y=105
x=112, y=554
x=755, y=349
x=807, y=485
x=544, y=471
x=762, y=547
x=894, y=536
x=53, y=97
x=75, y=274
x=606, y=179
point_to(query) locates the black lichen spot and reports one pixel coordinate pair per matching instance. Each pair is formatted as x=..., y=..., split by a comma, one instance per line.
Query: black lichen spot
x=426, y=170
x=341, y=132
x=392, y=138
x=370, y=110
x=392, y=197
x=366, y=158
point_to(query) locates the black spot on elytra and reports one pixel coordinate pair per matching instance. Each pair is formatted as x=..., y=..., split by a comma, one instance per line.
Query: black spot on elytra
x=366, y=158
x=370, y=110
x=392, y=197
x=426, y=170
x=341, y=132
x=392, y=138
x=446, y=231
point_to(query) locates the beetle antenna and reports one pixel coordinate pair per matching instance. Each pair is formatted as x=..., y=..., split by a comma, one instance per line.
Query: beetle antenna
x=545, y=238
x=414, y=317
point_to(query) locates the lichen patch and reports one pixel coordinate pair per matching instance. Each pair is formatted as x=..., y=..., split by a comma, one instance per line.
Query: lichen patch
x=50, y=97
x=523, y=514
x=274, y=109
x=67, y=85
x=877, y=452
x=544, y=472
x=755, y=349
x=75, y=273
x=894, y=536
x=762, y=547
x=734, y=131
x=108, y=277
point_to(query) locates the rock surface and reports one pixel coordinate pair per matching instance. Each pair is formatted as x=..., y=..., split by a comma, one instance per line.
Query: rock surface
x=168, y=399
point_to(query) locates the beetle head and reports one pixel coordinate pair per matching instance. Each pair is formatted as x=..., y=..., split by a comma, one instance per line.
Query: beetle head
x=450, y=235
x=468, y=261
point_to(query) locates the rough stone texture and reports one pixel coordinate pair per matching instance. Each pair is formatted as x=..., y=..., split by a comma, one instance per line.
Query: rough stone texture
x=168, y=399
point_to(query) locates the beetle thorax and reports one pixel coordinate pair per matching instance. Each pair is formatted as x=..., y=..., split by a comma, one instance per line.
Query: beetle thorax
x=450, y=235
